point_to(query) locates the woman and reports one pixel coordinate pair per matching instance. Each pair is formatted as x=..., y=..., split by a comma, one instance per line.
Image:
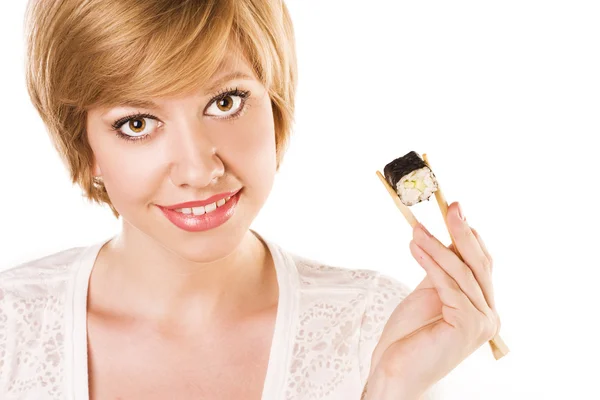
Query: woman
x=176, y=115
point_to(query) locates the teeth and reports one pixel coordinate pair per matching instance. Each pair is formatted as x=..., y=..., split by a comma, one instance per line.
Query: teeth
x=199, y=210
x=203, y=209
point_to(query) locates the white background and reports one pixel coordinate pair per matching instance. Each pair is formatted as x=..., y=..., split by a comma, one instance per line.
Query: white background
x=504, y=98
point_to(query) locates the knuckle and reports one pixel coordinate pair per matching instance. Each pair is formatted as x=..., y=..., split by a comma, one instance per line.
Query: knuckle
x=468, y=273
x=468, y=276
x=481, y=328
x=498, y=323
x=476, y=332
x=413, y=246
x=455, y=291
x=460, y=322
x=488, y=327
x=486, y=262
x=466, y=231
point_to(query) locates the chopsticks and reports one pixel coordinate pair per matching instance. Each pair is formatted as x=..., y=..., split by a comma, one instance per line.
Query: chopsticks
x=499, y=348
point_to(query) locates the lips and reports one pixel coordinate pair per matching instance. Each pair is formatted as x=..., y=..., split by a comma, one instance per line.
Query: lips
x=209, y=220
x=198, y=203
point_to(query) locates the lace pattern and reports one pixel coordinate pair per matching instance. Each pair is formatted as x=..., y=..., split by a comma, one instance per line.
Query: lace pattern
x=32, y=303
x=341, y=315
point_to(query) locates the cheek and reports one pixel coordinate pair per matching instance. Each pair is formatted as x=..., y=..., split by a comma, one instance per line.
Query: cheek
x=131, y=177
x=254, y=157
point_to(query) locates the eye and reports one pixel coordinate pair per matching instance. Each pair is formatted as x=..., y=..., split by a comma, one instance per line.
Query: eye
x=135, y=127
x=138, y=126
x=229, y=104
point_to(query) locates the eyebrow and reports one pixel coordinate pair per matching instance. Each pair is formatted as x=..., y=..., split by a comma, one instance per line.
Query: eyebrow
x=213, y=86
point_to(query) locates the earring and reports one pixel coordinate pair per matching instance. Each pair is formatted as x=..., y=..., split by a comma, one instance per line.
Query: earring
x=97, y=181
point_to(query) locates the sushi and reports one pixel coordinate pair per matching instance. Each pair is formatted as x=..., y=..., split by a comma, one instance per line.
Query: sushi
x=411, y=178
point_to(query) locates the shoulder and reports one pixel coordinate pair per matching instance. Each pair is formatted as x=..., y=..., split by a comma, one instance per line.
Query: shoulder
x=40, y=274
x=36, y=289
x=372, y=293
x=313, y=273
x=33, y=300
x=345, y=305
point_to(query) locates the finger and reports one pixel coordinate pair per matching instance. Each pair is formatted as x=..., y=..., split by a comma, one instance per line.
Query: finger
x=489, y=257
x=471, y=252
x=484, y=248
x=448, y=289
x=458, y=270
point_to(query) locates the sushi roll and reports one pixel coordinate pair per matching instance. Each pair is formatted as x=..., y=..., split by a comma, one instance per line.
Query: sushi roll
x=411, y=178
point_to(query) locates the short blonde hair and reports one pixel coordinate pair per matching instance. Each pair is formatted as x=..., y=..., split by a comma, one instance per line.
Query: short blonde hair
x=81, y=54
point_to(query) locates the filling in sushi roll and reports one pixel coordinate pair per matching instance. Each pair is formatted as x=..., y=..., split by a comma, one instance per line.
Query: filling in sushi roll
x=411, y=178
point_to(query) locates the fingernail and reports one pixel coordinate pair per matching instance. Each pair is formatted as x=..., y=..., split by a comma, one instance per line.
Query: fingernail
x=460, y=213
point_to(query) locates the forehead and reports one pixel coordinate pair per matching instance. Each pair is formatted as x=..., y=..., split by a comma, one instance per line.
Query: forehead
x=232, y=67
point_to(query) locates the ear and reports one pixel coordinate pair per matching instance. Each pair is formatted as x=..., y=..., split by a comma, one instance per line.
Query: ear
x=96, y=171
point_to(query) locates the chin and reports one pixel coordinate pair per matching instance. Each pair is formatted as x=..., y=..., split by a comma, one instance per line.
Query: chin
x=199, y=247
x=208, y=246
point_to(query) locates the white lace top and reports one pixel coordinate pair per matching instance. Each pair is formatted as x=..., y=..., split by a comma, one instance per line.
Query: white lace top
x=328, y=322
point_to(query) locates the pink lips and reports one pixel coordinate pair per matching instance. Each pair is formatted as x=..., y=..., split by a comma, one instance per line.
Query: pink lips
x=199, y=203
x=199, y=223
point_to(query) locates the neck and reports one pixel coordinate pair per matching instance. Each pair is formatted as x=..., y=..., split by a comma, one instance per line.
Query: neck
x=136, y=277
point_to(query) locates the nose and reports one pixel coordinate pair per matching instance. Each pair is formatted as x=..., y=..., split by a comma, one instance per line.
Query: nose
x=195, y=162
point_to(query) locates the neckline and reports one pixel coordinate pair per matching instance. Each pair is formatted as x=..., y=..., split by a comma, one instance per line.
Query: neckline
x=281, y=344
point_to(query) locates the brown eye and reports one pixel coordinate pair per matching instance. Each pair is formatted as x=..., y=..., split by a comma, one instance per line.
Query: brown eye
x=225, y=104
x=137, y=125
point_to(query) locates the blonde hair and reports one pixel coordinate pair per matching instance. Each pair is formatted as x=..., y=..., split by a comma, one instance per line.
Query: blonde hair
x=81, y=54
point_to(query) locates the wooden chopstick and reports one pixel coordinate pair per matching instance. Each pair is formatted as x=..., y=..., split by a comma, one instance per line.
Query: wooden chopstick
x=499, y=348
x=443, y=204
x=412, y=220
x=410, y=217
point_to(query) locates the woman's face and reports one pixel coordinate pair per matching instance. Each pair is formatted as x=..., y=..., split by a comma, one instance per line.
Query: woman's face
x=193, y=147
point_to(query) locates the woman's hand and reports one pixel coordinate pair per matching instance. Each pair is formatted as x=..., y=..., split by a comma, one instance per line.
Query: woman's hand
x=413, y=353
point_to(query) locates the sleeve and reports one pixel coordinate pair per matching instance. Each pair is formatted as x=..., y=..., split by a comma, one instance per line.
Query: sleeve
x=384, y=295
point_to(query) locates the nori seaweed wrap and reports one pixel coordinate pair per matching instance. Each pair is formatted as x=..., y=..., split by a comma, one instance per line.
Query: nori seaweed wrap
x=411, y=178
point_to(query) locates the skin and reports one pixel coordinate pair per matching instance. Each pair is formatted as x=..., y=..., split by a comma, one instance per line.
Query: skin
x=412, y=354
x=155, y=289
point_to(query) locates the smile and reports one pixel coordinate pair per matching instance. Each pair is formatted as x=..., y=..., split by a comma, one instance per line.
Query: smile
x=202, y=218
x=203, y=209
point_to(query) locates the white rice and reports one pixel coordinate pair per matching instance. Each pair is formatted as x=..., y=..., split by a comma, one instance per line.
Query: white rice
x=417, y=186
